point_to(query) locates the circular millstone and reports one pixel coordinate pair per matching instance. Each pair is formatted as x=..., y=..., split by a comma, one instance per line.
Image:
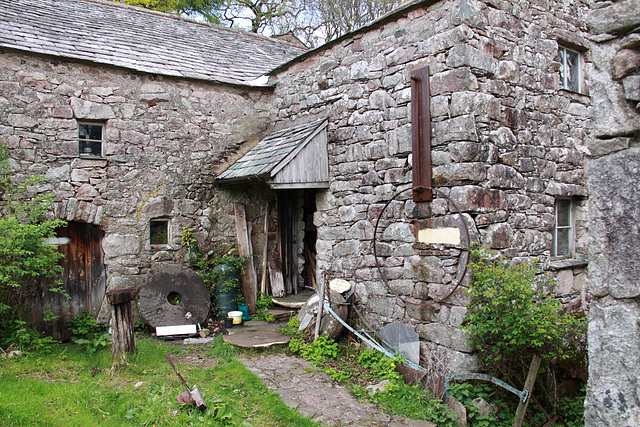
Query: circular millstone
x=256, y=339
x=173, y=295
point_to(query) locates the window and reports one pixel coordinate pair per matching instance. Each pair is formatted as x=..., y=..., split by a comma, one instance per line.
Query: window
x=563, y=232
x=570, y=69
x=90, y=139
x=159, y=232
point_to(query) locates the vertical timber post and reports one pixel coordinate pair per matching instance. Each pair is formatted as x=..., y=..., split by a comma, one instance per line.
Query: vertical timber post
x=421, y=135
x=528, y=385
x=122, y=327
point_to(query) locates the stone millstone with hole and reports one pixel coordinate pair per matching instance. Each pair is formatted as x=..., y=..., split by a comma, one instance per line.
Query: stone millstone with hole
x=330, y=327
x=173, y=295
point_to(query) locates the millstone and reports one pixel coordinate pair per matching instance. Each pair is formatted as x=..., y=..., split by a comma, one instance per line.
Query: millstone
x=173, y=295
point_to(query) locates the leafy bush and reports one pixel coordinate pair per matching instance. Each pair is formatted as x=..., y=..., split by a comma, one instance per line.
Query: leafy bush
x=28, y=265
x=511, y=314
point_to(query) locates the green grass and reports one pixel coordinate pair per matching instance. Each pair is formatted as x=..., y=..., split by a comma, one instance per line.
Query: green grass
x=69, y=387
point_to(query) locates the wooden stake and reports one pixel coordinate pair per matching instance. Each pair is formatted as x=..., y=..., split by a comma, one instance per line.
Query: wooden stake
x=528, y=385
x=263, y=282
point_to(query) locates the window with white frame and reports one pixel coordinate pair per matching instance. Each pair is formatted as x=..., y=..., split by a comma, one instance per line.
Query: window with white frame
x=90, y=136
x=570, y=69
x=564, y=230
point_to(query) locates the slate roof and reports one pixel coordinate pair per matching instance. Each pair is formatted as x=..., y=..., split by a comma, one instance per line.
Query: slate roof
x=124, y=36
x=262, y=159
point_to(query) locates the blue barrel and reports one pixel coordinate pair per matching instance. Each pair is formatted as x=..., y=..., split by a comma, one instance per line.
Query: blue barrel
x=224, y=297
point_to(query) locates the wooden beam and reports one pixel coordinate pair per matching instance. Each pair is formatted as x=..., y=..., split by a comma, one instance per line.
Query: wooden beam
x=263, y=282
x=421, y=135
x=244, y=249
x=528, y=385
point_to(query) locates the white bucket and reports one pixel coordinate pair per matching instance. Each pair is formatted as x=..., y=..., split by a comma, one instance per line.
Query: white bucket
x=236, y=316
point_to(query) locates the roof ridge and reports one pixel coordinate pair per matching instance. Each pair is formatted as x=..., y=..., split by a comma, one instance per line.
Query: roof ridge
x=179, y=17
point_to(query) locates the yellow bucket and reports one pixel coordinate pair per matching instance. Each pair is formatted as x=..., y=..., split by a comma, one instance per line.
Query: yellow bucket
x=236, y=316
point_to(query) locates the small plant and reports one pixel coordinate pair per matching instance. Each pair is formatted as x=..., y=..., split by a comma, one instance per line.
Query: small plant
x=409, y=401
x=187, y=238
x=466, y=393
x=380, y=365
x=316, y=351
x=86, y=331
x=263, y=304
x=291, y=328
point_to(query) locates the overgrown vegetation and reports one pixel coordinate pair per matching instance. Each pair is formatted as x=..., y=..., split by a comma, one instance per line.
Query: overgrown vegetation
x=357, y=368
x=217, y=272
x=28, y=264
x=512, y=316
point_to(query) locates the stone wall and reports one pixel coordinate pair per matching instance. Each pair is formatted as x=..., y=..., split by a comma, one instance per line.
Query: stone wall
x=163, y=139
x=613, y=394
x=506, y=142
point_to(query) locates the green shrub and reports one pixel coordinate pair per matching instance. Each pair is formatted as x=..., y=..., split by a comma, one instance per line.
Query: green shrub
x=28, y=265
x=511, y=315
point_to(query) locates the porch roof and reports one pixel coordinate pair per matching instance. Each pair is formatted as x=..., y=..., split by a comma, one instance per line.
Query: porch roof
x=295, y=157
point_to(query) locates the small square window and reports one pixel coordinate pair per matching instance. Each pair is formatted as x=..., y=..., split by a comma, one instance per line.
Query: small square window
x=90, y=139
x=570, y=69
x=563, y=232
x=159, y=232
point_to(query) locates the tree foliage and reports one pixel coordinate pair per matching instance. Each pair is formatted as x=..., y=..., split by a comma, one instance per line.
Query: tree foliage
x=28, y=265
x=512, y=315
x=311, y=21
x=208, y=9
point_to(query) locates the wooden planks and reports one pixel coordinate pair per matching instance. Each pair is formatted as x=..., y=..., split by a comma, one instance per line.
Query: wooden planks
x=275, y=275
x=244, y=248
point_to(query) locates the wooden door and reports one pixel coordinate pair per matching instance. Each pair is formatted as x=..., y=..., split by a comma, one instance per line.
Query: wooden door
x=83, y=279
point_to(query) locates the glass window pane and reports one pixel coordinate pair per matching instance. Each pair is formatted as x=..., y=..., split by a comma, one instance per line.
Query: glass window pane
x=563, y=80
x=562, y=241
x=95, y=132
x=563, y=212
x=573, y=73
x=83, y=131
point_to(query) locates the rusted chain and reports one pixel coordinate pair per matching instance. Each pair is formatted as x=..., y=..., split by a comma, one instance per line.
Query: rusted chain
x=465, y=250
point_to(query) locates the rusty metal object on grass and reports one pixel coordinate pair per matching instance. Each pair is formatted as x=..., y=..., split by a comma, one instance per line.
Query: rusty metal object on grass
x=189, y=396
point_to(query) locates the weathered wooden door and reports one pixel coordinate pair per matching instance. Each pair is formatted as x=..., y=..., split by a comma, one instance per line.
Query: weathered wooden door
x=83, y=279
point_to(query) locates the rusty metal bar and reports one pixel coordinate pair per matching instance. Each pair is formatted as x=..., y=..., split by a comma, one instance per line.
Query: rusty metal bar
x=421, y=135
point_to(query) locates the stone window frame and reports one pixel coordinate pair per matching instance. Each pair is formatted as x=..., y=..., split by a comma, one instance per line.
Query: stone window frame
x=563, y=51
x=570, y=228
x=88, y=147
x=162, y=243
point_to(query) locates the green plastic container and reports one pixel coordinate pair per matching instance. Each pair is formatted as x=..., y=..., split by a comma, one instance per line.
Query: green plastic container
x=224, y=299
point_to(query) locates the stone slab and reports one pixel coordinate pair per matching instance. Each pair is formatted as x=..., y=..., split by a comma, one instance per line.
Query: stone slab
x=256, y=339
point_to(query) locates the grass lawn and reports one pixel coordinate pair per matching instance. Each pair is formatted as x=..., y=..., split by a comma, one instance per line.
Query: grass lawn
x=70, y=387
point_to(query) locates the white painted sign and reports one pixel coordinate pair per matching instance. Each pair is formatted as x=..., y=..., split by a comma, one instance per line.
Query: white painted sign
x=163, y=331
x=442, y=236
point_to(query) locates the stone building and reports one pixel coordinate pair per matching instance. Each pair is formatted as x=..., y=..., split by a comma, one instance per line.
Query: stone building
x=613, y=393
x=145, y=124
